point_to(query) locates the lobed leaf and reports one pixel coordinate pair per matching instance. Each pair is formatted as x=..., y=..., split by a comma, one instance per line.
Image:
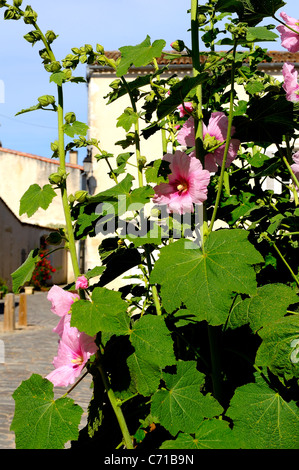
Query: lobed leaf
x=40, y=422
x=211, y=434
x=263, y=419
x=276, y=349
x=181, y=406
x=140, y=55
x=106, y=312
x=36, y=197
x=153, y=346
x=266, y=306
x=205, y=280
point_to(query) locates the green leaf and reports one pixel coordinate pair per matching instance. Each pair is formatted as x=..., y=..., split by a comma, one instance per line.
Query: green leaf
x=262, y=419
x=24, y=272
x=94, y=272
x=254, y=87
x=76, y=128
x=58, y=78
x=140, y=55
x=36, y=197
x=266, y=306
x=28, y=110
x=178, y=93
x=269, y=118
x=182, y=406
x=260, y=33
x=127, y=119
x=211, y=434
x=40, y=422
x=106, y=312
x=153, y=346
x=205, y=281
x=278, y=344
x=250, y=11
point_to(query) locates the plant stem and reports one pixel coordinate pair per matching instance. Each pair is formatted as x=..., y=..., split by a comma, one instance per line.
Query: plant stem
x=117, y=409
x=196, y=71
x=229, y=128
x=154, y=287
x=282, y=258
x=137, y=138
x=61, y=152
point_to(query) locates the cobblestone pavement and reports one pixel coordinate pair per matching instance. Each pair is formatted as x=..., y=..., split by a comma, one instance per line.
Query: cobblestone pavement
x=31, y=350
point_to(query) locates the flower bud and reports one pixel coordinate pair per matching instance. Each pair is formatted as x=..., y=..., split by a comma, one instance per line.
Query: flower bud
x=45, y=100
x=81, y=196
x=54, y=146
x=71, y=198
x=178, y=45
x=201, y=18
x=53, y=66
x=100, y=49
x=50, y=36
x=17, y=3
x=70, y=117
x=55, y=178
x=115, y=84
x=88, y=48
x=30, y=16
x=32, y=36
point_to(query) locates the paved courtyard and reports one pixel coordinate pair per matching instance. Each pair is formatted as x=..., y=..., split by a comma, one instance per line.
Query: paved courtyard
x=31, y=350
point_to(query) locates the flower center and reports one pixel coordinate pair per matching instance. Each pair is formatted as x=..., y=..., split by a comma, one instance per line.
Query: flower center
x=182, y=187
x=77, y=361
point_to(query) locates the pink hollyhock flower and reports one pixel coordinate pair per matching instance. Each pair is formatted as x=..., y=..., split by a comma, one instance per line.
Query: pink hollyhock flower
x=62, y=301
x=187, y=108
x=217, y=127
x=74, y=350
x=215, y=132
x=290, y=84
x=188, y=184
x=289, y=39
x=81, y=283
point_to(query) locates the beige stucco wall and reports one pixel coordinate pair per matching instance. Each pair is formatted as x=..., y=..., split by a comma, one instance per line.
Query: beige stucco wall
x=23, y=170
x=18, y=171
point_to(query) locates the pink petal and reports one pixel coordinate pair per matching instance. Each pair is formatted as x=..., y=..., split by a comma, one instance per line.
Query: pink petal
x=290, y=84
x=61, y=300
x=289, y=39
x=186, y=136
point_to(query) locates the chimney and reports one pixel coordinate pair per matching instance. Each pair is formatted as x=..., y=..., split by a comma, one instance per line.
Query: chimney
x=73, y=157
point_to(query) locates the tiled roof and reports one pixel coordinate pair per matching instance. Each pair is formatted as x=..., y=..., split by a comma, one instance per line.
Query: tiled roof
x=37, y=157
x=277, y=57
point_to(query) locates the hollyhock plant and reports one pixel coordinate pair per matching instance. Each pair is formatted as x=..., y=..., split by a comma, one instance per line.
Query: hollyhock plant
x=187, y=184
x=214, y=133
x=81, y=282
x=74, y=350
x=290, y=84
x=289, y=38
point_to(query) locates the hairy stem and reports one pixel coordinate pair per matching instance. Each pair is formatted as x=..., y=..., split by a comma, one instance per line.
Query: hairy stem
x=117, y=409
x=229, y=128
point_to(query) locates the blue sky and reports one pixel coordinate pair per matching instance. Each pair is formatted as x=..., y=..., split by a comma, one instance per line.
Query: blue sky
x=112, y=23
